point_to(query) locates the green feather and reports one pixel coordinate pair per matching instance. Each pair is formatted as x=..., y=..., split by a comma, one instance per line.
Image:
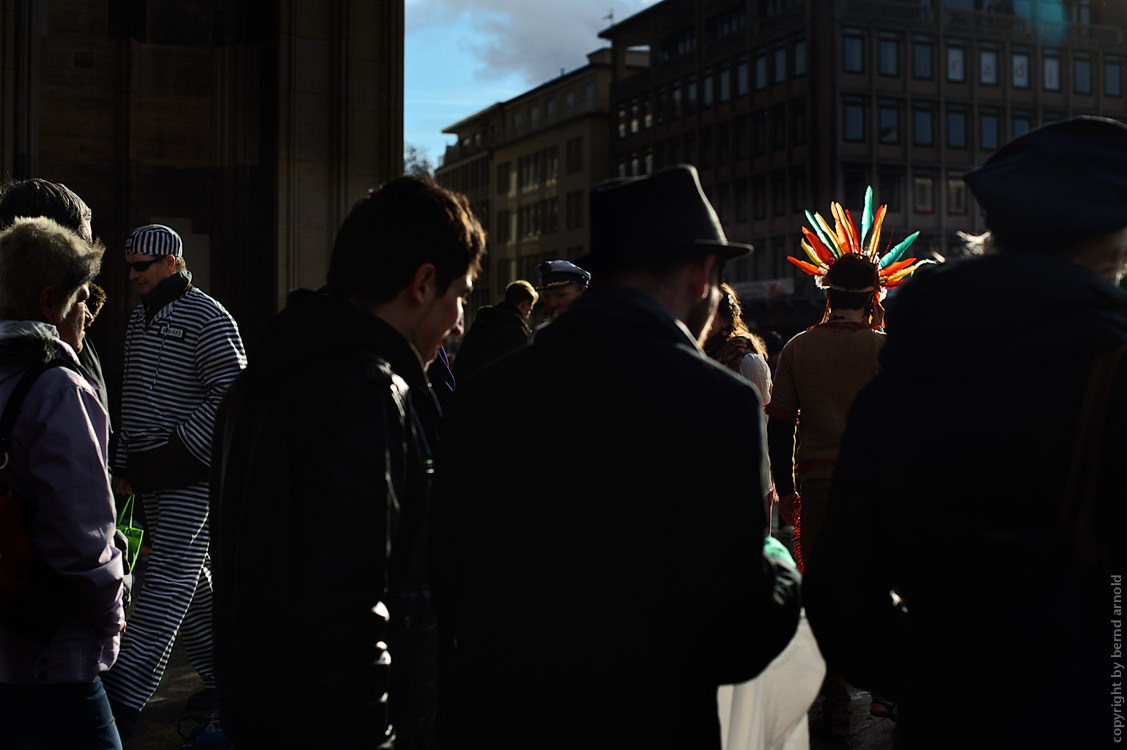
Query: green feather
x=867, y=217
x=894, y=254
x=829, y=243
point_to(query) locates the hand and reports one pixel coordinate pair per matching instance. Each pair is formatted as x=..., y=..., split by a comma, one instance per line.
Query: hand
x=122, y=486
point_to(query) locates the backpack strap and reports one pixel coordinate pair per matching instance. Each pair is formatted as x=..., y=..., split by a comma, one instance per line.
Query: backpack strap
x=15, y=402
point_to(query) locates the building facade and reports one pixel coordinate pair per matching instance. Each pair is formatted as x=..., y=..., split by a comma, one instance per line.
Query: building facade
x=528, y=165
x=785, y=105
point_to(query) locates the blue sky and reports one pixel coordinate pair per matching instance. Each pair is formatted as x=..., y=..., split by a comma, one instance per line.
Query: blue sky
x=460, y=56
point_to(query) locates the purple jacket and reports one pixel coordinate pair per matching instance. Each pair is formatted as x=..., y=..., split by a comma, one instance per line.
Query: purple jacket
x=58, y=462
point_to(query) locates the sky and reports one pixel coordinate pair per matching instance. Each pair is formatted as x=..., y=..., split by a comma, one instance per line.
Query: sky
x=460, y=56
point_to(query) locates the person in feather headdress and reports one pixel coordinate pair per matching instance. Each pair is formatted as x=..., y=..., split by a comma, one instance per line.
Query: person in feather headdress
x=820, y=372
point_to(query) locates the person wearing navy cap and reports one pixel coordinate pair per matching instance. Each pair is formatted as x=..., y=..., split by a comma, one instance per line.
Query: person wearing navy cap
x=600, y=594
x=980, y=472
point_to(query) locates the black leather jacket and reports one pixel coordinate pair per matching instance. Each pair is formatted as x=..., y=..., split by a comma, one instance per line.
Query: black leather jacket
x=321, y=476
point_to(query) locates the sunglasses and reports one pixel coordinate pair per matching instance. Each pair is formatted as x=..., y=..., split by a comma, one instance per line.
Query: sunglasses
x=142, y=265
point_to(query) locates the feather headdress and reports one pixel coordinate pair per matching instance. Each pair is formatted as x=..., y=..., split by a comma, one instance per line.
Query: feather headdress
x=826, y=243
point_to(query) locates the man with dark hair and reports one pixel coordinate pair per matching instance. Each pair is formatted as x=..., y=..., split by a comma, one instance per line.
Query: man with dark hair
x=497, y=330
x=182, y=351
x=322, y=467
x=608, y=617
x=54, y=200
x=1012, y=614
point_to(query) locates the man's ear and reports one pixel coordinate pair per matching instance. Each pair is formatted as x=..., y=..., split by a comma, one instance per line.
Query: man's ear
x=48, y=305
x=423, y=283
x=700, y=276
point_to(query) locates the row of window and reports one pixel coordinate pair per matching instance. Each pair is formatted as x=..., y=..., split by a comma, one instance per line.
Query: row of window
x=719, y=84
x=542, y=217
x=550, y=109
x=990, y=58
x=961, y=123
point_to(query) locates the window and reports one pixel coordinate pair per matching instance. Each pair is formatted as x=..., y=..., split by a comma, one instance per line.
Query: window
x=573, y=155
x=922, y=116
x=725, y=85
x=778, y=128
x=854, y=51
x=778, y=194
x=956, y=126
x=889, y=122
x=1113, y=76
x=723, y=144
x=780, y=65
x=635, y=166
x=706, y=148
x=956, y=61
x=760, y=72
x=988, y=66
x=622, y=123
x=759, y=198
x=574, y=209
x=988, y=129
x=741, y=78
x=799, y=58
x=504, y=227
x=1020, y=124
x=517, y=121
x=1020, y=63
x=892, y=190
x=691, y=148
x=648, y=117
x=923, y=192
x=706, y=85
x=691, y=96
x=798, y=124
x=1052, y=72
x=533, y=117
x=854, y=119
x=742, y=145
x=741, y=201
x=550, y=108
x=956, y=193
x=921, y=57
x=888, y=49
x=504, y=178
x=635, y=120
x=759, y=133
x=649, y=163
x=569, y=101
x=676, y=96
x=1082, y=73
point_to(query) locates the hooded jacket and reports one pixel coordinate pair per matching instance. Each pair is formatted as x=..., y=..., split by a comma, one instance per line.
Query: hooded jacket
x=951, y=489
x=58, y=466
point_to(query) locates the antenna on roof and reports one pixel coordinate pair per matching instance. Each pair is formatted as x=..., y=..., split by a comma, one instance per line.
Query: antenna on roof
x=610, y=17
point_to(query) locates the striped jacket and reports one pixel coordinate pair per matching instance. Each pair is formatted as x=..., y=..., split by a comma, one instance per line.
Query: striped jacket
x=178, y=366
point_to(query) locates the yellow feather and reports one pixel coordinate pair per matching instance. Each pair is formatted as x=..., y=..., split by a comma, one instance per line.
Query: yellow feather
x=829, y=232
x=874, y=242
x=813, y=255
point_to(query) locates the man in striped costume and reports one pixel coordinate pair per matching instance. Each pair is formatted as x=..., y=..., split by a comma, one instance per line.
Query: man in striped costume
x=182, y=351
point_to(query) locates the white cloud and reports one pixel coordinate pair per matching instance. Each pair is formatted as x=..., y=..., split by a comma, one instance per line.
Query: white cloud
x=531, y=38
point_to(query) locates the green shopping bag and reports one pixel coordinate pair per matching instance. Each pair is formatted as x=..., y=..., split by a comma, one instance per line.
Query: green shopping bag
x=133, y=534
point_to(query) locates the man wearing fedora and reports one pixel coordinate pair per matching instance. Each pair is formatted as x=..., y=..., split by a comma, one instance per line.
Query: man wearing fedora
x=1002, y=396
x=608, y=616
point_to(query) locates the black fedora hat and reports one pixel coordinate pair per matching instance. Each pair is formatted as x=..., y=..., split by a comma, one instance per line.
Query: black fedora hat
x=1056, y=184
x=665, y=216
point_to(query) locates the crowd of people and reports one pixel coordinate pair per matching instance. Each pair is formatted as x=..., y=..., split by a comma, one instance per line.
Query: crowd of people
x=356, y=530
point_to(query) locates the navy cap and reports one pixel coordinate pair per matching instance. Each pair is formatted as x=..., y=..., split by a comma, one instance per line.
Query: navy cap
x=1056, y=184
x=553, y=273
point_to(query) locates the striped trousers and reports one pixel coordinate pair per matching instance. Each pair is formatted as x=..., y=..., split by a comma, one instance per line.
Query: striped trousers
x=175, y=598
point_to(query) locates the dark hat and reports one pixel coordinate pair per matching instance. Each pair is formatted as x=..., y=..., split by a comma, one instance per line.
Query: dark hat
x=1059, y=183
x=665, y=216
x=553, y=273
x=154, y=239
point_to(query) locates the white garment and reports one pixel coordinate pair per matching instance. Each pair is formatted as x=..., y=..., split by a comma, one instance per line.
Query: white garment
x=754, y=368
x=769, y=712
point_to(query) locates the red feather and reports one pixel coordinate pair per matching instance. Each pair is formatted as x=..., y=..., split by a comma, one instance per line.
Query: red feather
x=809, y=268
x=820, y=249
x=888, y=271
x=851, y=232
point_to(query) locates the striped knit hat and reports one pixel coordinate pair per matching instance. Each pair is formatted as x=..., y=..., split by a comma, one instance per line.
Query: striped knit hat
x=154, y=239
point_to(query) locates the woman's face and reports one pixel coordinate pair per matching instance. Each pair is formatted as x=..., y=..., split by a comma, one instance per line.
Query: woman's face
x=720, y=321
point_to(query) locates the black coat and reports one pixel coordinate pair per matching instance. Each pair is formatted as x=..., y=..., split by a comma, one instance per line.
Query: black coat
x=321, y=473
x=604, y=573
x=950, y=488
x=496, y=331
